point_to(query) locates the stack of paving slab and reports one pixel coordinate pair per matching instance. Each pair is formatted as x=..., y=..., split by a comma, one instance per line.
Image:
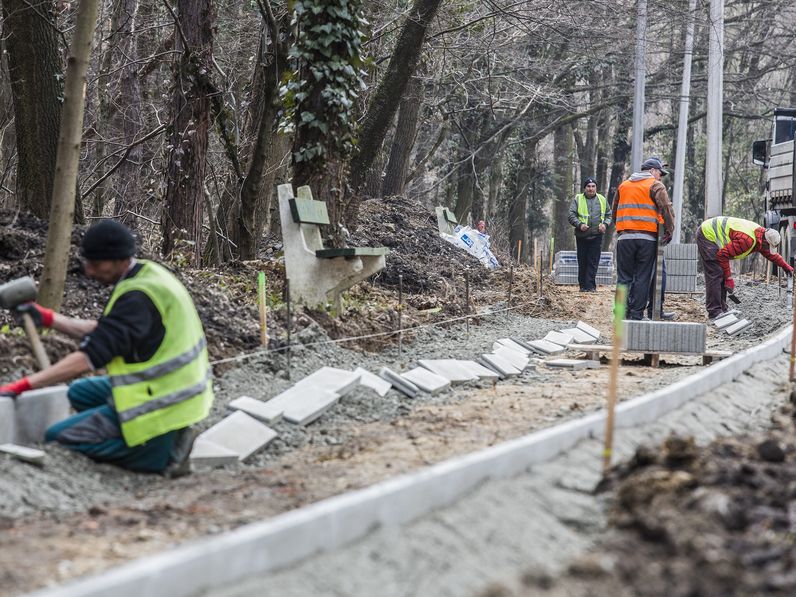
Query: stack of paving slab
x=681, y=267
x=556, y=342
x=565, y=268
x=665, y=336
x=244, y=432
x=731, y=323
x=24, y=420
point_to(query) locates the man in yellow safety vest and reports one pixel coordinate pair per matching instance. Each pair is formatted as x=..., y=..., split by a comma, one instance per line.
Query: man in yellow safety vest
x=723, y=238
x=151, y=342
x=590, y=216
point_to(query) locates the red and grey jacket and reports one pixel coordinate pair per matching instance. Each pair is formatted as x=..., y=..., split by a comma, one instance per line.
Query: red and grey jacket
x=740, y=242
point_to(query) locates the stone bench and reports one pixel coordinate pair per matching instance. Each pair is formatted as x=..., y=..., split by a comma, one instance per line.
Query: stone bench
x=318, y=275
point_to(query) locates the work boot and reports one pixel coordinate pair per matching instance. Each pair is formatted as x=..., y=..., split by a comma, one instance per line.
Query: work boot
x=668, y=315
x=179, y=457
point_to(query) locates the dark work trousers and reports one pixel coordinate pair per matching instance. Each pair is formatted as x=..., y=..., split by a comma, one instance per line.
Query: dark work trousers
x=96, y=432
x=650, y=306
x=588, y=260
x=635, y=261
x=715, y=291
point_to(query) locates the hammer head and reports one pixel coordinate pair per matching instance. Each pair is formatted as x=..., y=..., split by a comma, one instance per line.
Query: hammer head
x=16, y=292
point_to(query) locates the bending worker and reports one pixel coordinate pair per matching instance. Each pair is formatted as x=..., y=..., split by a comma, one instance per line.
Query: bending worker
x=721, y=239
x=640, y=206
x=151, y=342
x=589, y=216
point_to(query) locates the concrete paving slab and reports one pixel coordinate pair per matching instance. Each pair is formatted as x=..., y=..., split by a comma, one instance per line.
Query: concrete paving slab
x=573, y=364
x=31, y=455
x=206, y=454
x=559, y=338
x=426, y=380
x=479, y=370
x=591, y=331
x=545, y=347
x=258, y=409
x=450, y=369
x=339, y=381
x=665, y=336
x=725, y=321
x=36, y=410
x=738, y=327
x=517, y=360
x=404, y=386
x=514, y=344
x=499, y=364
x=374, y=382
x=7, y=420
x=579, y=335
x=305, y=411
x=239, y=433
x=680, y=251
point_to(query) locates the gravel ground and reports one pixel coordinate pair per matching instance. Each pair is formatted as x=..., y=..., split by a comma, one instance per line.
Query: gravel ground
x=509, y=533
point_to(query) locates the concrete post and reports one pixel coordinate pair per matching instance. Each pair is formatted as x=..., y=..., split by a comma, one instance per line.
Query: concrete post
x=637, y=146
x=713, y=186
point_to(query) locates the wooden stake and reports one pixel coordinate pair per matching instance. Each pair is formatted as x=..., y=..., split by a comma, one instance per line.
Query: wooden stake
x=261, y=300
x=536, y=252
x=519, y=251
x=511, y=281
x=467, y=299
x=793, y=344
x=289, y=317
x=400, y=314
x=619, y=316
x=552, y=250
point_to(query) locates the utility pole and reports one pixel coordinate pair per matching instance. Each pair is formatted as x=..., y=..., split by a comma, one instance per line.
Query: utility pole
x=637, y=145
x=714, y=114
x=682, y=123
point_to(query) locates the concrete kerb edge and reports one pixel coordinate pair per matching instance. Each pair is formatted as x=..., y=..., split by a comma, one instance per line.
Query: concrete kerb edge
x=265, y=546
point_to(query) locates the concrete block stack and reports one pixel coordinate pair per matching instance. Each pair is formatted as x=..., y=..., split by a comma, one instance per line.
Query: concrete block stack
x=565, y=268
x=681, y=268
x=665, y=336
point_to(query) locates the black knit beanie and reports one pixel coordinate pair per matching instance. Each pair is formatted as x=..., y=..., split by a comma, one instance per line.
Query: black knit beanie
x=107, y=239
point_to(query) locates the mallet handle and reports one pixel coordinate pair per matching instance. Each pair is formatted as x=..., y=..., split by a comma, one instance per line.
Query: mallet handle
x=35, y=342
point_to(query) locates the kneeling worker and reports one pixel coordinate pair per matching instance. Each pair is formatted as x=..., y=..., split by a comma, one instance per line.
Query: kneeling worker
x=151, y=342
x=720, y=239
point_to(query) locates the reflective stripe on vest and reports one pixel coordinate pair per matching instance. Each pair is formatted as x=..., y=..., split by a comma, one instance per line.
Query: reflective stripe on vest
x=583, y=208
x=717, y=230
x=636, y=210
x=173, y=389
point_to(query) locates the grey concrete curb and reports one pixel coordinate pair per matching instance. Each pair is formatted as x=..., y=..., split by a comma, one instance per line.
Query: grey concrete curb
x=261, y=547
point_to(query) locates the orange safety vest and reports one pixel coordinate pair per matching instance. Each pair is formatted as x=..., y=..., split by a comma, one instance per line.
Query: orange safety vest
x=636, y=209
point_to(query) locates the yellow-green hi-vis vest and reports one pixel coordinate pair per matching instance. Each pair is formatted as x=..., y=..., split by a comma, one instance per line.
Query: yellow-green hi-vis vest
x=173, y=389
x=717, y=230
x=583, y=208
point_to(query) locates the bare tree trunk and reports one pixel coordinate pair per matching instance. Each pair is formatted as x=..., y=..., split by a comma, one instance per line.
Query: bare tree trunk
x=621, y=151
x=404, y=140
x=34, y=67
x=185, y=174
x=392, y=86
x=562, y=187
x=62, y=214
x=518, y=200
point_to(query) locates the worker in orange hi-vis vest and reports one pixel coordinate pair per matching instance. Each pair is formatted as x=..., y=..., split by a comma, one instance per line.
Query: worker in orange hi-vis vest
x=640, y=206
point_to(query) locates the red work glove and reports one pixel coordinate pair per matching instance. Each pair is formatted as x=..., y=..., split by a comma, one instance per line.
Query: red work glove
x=729, y=284
x=13, y=389
x=41, y=316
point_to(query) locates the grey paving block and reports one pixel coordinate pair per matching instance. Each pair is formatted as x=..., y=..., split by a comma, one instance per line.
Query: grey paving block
x=738, y=327
x=374, y=382
x=680, y=251
x=585, y=327
x=545, y=347
x=568, y=257
x=399, y=383
x=573, y=364
x=559, y=338
x=479, y=370
x=665, y=336
x=579, y=336
x=238, y=433
x=681, y=267
x=31, y=455
x=36, y=410
x=7, y=420
x=206, y=454
x=572, y=270
x=499, y=364
x=258, y=409
x=339, y=381
x=514, y=344
x=725, y=321
x=677, y=284
x=450, y=369
x=517, y=360
x=426, y=380
x=305, y=411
